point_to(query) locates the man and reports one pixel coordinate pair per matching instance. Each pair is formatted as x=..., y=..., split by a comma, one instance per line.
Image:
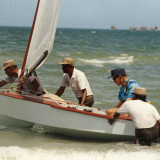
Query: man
x=78, y=81
x=127, y=87
x=30, y=85
x=144, y=116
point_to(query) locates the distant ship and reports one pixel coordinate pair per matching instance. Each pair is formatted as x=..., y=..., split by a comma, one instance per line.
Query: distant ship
x=113, y=28
x=149, y=29
x=143, y=28
x=153, y=29
x=133, y=28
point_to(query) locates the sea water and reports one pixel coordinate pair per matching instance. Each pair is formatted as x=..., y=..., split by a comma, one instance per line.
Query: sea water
x=95, y=52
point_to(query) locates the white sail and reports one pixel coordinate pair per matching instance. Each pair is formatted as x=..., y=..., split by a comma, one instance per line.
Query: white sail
x=44, y=31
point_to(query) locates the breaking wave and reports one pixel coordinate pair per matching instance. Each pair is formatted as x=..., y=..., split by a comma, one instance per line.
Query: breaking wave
x=110, y=60
x=17, y=153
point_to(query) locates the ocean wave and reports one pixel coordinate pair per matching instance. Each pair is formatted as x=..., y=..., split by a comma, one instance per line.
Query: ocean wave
x=62, y=54
x=93, y=32
x=121, y=60
x=97, y=102
x=110, y=60
x=95, y=62
x=17, y=153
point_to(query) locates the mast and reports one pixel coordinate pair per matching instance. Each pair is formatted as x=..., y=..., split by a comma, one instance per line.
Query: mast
x=28, y=46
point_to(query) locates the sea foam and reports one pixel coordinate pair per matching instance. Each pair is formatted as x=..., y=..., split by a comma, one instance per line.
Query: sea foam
x=17, y=153
x=109, y=60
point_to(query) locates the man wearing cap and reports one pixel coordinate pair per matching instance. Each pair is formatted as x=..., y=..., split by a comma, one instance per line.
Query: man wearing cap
x=78, y=81
x=144, y=115
x=31, y=85
x=127, y=87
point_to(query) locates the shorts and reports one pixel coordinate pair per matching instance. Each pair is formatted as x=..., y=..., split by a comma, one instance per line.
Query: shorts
x=88, y=101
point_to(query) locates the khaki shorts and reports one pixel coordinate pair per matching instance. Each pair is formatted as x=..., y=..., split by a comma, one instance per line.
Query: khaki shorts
x=88, y=101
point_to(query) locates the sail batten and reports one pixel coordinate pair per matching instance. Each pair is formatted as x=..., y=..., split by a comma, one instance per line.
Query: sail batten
x=44, y=31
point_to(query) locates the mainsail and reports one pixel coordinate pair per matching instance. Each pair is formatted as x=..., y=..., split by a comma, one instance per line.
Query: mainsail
x=43, y=32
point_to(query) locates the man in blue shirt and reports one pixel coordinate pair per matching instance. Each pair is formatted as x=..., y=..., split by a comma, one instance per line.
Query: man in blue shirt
x=127, y=87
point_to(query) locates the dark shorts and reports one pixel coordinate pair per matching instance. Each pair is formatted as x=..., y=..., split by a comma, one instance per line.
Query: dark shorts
x=147, y=135
x=88, y=101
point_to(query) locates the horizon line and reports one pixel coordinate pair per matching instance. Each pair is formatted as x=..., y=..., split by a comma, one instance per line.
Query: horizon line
x=80, y=28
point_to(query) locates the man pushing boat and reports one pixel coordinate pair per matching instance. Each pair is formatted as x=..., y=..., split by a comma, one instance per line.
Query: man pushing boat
x=127, y=87
x=31, y=84
x=78, y=81
x=144, y=115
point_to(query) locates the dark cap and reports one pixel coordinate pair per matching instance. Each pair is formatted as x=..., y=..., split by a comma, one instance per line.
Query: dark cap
x=117, y=72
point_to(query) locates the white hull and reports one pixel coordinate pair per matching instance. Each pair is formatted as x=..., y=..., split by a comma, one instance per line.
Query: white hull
x=72, y=121
x=7, y=121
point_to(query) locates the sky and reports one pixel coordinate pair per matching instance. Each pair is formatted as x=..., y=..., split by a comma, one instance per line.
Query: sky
x=98, y=14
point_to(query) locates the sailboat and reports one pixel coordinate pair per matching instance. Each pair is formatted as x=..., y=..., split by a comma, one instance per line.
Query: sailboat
x=55, y=114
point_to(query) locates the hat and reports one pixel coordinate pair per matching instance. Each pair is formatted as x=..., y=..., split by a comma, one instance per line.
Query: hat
x=117, y=72
x=140, y=90
x=67, y=60
x=8, y=63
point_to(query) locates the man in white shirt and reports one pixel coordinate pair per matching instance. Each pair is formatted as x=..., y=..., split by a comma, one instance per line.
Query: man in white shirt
x=30, y=85
x=144, y=115
x=78, y=81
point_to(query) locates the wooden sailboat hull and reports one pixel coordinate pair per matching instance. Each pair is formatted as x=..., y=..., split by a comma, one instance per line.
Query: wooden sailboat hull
x=72, y=120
